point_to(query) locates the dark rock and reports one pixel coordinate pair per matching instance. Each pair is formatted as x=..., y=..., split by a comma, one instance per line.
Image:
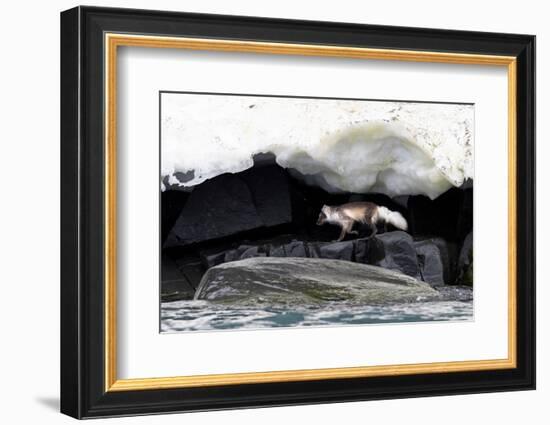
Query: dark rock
x=180, y=177
x=264, y=158
x=233, y=203
x=448, y=216
x=369, y=250
x=396, y=252
x=466, y=214
x=252, y=251
x=296, y=249
x=234, y=254
x=393, y=250
x=448, y=252
x=337, y=250
x=171, y=204
x=430, y=262
x=212, y=257
x=192, y=268
x=185, y=177
x=291, y=249
x=401, y=200
x=218, y=207
x=429, y=265
x=376, y=198
x=174, y=284
x=308, y=281
x=244, y=251
x=465, y=266
x=270, y=191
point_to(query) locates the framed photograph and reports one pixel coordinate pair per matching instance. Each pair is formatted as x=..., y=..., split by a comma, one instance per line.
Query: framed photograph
x=261, y=212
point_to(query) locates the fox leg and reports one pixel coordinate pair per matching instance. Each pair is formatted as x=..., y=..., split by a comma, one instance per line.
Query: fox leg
x=374, y=230
x=352, y=232
x=342, y=234
x=346, y=227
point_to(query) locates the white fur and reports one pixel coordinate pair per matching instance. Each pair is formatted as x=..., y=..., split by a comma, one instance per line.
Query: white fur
x=393, y=217
x=331, y=215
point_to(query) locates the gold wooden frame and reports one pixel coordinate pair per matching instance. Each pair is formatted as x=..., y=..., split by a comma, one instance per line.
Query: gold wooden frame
x=113, y=41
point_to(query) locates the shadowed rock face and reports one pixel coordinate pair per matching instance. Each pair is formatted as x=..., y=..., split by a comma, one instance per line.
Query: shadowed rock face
x=466, y=261
x=308, y=281
x=230, y=204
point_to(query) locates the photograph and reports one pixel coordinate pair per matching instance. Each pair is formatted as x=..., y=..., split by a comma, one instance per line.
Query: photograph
x=288, y=211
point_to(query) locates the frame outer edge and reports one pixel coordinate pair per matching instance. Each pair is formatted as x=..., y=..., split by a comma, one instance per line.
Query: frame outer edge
x=529, y=192
x=80, y=394
x=533, y=127
x=71, y=383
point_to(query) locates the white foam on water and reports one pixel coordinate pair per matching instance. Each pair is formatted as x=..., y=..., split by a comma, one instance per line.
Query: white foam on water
x=182, y=316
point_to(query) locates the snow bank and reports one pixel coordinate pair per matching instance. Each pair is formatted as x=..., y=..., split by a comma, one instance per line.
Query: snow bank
x=396, y=148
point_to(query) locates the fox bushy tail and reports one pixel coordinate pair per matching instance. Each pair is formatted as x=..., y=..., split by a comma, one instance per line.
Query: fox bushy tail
x=393, y=217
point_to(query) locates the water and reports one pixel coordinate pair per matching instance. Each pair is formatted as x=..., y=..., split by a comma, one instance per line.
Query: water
x=181, y=316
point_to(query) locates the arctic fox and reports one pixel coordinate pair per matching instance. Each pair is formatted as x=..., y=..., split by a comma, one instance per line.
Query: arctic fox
x=363, y=212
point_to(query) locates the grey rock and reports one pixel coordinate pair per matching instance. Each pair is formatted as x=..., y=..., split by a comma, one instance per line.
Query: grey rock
x=337, y=250
x=291, y=249
x=393, y=250
x=212, y=257
x=447, y=257
x=308, y=281
x=251, y=252
x=397, y=252
x=430, y=262
x=296, y=249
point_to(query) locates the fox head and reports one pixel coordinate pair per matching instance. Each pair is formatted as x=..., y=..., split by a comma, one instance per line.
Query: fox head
x=323, y=215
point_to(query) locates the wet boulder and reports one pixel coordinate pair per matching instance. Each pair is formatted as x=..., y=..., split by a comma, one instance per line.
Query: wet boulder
x=308, y=281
